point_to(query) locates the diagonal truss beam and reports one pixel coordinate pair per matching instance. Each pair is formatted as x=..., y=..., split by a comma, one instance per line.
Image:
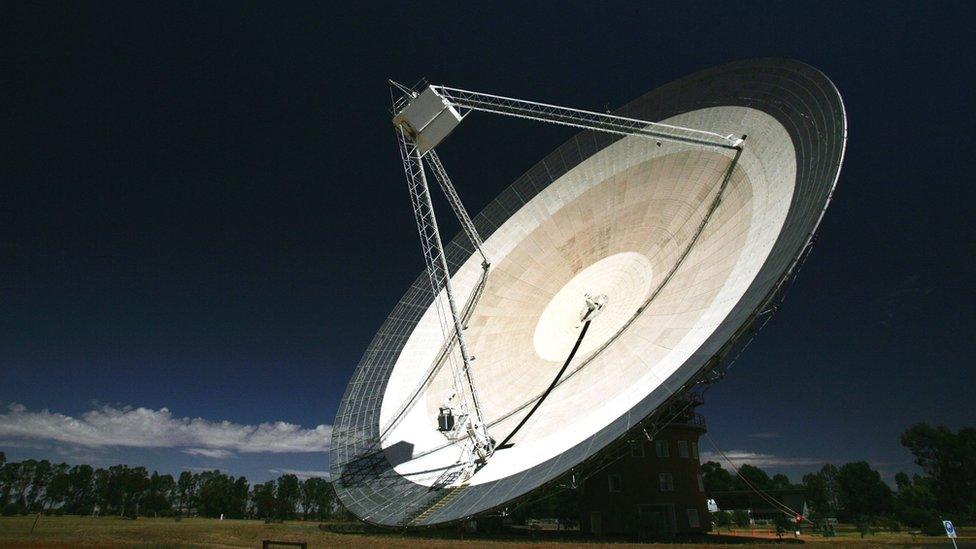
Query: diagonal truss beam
x=578, y=118
x=440, y=174
x=438, y=272
x=417, y=147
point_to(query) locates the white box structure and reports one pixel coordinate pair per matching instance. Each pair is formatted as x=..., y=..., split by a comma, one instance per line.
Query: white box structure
x=429, y=119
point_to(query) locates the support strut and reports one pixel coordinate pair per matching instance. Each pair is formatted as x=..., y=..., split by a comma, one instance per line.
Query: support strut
x=439, y=276
x=422, y=120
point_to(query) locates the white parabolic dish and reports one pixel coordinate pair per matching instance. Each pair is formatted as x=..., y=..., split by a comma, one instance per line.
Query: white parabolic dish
x=615, y=225
x=634, y=220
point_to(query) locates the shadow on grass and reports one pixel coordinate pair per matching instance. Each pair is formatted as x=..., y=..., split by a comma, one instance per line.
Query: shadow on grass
x=516, y=534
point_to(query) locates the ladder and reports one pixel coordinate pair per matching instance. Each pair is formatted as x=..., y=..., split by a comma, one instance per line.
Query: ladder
x=451, y=495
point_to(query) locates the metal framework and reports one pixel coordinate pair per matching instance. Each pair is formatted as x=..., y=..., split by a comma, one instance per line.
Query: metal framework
x=440, y=280
x=440, y=174
x=457, y=104
x=364, y=457
x=465, y=100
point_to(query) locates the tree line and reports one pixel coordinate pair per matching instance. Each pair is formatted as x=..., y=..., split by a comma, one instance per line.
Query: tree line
x=855, y=493
x=852, y=492
x=33, y=486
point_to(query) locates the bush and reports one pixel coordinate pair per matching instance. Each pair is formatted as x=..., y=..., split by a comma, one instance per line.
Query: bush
x=722, y=519
x=926, y=520
x=11, y=509
x=781, y=525
x=741, y=518
x=889, y=524
x=933, y=527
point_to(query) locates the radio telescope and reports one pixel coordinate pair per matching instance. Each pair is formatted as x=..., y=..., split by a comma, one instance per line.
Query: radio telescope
x=612, y=276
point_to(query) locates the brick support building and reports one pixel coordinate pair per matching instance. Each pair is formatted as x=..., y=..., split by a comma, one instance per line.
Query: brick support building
x=652, y=490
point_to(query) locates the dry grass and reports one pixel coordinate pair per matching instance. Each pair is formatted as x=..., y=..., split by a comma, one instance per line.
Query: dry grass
x=145, y=532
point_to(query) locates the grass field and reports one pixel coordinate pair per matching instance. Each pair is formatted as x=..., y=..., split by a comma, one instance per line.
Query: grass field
x=73, y=531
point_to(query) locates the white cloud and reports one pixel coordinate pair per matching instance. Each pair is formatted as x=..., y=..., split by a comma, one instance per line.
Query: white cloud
x=301, y=474
x=146, y=428
x=757, y=459
x=215, y=453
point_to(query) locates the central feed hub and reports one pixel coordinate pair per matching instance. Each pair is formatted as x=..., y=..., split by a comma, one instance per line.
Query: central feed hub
x=614, y=288
x=594, y=304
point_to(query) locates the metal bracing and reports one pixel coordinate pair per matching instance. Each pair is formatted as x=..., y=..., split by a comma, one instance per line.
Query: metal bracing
x=533, y=399
x=444, y=355
x=577, y=118
x=440, y=280
x=371, y=477
x=413, y=155
x=440, y=174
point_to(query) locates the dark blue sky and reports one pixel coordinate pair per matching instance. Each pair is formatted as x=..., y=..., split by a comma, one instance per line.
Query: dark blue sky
x=202, y=207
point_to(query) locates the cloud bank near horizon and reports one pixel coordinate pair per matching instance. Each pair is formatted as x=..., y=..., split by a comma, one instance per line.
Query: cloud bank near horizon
x=107, y=426
x=760, y=460
x=302, y=474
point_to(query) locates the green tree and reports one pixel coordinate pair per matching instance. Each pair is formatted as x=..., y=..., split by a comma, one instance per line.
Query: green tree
x=821, y=491
x=108, y=491
x=722, y=519
x=134, y=482
x=782, y=524
x=263, y=497
x=949, y=459
x=329, y=502
x=815, y=492
x=319, y=496
x=121, y=489
x=755, y=477
x=715, y=478
x=239, y=498
x=37, y=484
x=186, y=489
x=741, y=518
x=781, y=482
x=316, y=498
x=288, y=495
x=8, y=475
x=22, y=477
x=158, y=495
x=56, y=492
x=216, y=495
x=80, y=496
x=861, y=492
x=915, y=502
x=3, y=485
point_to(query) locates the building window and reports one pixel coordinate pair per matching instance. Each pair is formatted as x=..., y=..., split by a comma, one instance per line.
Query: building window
x=636, y=448
x=613, y=482
x=701, y=482
x=693, y=521
x=667, y=482
x=694, y=449
x=683, y=449
x=661, y=447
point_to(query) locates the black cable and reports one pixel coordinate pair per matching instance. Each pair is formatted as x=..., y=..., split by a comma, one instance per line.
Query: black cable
x=778, y=505
x=504, y=444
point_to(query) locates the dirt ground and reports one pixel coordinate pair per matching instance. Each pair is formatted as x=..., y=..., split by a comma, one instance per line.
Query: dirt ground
x=72, y=531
